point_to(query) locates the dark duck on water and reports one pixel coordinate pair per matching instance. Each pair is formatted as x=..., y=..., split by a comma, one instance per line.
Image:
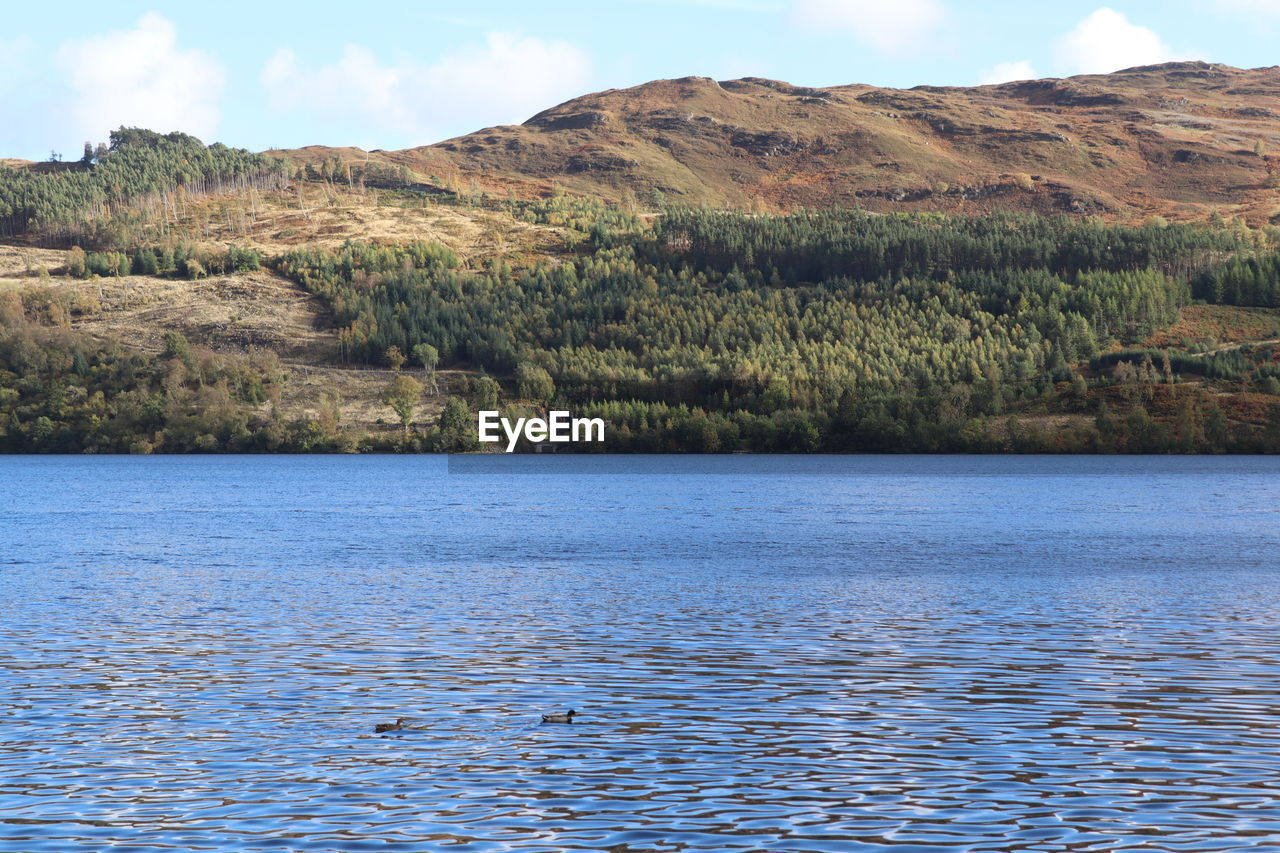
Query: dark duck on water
x=389, y=727
x=566, y=717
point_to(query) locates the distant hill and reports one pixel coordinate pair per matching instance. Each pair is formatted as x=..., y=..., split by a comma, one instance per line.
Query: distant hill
x=1178, y=139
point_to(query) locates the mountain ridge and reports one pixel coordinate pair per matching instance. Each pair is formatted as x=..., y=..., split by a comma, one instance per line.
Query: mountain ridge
x=1179, y=139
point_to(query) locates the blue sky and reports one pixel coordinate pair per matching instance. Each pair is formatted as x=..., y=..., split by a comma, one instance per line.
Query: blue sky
x=385, y=74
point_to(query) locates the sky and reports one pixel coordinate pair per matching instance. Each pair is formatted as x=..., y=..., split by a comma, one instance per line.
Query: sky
x=400, y=73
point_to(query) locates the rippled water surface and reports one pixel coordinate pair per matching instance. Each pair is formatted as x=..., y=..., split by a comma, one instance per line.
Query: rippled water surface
x=777, y=654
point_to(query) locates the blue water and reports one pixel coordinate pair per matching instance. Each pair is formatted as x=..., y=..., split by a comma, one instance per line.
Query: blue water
x=781, y=654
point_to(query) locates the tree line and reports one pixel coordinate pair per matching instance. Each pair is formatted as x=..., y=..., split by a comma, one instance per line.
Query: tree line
x=140, y=172
x=183, y=260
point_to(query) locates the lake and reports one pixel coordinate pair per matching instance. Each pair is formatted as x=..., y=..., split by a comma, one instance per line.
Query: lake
x=766, y=653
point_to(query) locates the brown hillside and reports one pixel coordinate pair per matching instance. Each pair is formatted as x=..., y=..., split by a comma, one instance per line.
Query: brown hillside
x=1179, y=139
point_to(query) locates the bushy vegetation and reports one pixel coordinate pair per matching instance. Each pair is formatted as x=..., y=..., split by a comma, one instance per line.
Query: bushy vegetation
x=65, y=391
x=182, y=260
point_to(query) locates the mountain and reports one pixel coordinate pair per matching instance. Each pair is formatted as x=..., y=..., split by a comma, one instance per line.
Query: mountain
x=1178, y=140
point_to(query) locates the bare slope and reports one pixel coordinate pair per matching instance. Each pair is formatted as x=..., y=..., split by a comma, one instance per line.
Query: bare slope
x=1179, y=139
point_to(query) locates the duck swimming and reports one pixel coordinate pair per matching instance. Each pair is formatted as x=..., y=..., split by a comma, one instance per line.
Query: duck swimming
x=566, y=717
x=389, y=727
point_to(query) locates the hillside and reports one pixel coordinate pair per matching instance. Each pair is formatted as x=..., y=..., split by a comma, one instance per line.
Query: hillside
x=1178, y=140
x=748, y=292
x=258, y=315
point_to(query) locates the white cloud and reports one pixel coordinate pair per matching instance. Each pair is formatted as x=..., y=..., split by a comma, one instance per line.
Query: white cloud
x=896, y=27
x=1007, y=72
x=504, y=80
x=141, y=77
x=1106, y=41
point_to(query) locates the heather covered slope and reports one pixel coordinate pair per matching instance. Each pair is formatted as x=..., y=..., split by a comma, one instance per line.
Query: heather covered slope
x=1178, y=140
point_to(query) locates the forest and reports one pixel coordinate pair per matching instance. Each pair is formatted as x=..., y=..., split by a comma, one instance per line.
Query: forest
x=825, y=330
